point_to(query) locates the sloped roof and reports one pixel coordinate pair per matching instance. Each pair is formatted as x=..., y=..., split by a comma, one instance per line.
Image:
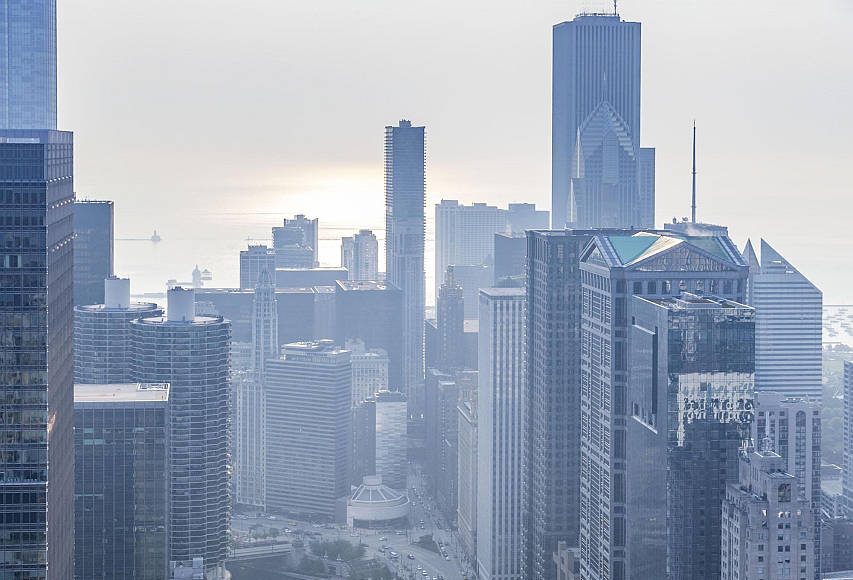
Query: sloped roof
x=631, y=249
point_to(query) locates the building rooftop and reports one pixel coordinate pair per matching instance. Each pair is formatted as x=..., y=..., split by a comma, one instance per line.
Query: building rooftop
x=363, y=285
x=198, y=320
x=503, y=292
x=688, y=301
x=132, y=307
x=121, y=393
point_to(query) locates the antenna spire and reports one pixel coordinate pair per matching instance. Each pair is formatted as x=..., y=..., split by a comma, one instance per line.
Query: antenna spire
x=615, y=12
x=693, y=205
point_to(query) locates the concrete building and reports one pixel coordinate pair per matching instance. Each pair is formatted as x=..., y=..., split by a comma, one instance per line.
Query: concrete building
x=308, y=277
x=309, y=429
x=510, y=260
x=405, y=184
x=567, y=563
x=521, y=217
x=767, y=527
x=847, y=479
x=613, y=268
x=296, y=242
x=499, y=434
x=450, y=324
x=467, y=470
x=691, y=399
x=789, y=334
x=102, y=334
x=191, y=353
x=360, y=256
x=253, y=261
x=374, y=504
x=121, y=449
x=93, y=250
x=369, y=370
x=392, y=461
x=441, y=438
x=36, y=307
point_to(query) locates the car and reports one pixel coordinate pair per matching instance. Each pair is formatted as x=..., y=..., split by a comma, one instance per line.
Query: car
x=423, y=527
x=411, y=556
x=425, y=573
x=288, y=531
x=400, y=533
x=394, y=555
x=383, y=539
x=381, y=549
x=419, y=568
x=447, y=558
x=421, y=522
x=353, y=534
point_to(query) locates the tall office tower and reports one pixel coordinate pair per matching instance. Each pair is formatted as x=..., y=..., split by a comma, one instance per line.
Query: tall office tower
x=28, y=62
x=613, y=268
x=309, y=428
x=501, y=424
x=102, y=334
x=792, y=426
x=373, y=313
x=847, y=478
x=392, y=417
x=468, y=466
x=521, y=217
x=646, y=181
x=36, y=306
x=405, y=184
x=249, y=442
x=296, y=242
x=464, y=235
x=510, y=260
x=369, y=371
x=363, y=440
x=450, y=324
x=596, y=59
x=472, y=279
x=253, y=261
x=767, y=526
x=441, y=429
x=93, y=250
x=191, y=353
x=789, y=334
x=121, y=450
x=360, y=255
x=691, y=399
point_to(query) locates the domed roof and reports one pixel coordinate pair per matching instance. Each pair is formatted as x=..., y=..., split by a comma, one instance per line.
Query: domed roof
x=372, y=492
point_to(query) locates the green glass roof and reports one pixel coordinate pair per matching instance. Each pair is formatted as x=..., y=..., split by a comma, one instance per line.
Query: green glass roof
x=629, y=248
x=710, y=245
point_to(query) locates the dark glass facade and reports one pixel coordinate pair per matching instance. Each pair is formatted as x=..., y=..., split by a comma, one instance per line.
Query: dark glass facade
x=93, y=250
x=36, y=387
x=691, y=400
x=121, y=452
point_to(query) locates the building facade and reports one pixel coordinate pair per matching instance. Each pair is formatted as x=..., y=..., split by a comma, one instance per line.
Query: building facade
x=691, y=409
x=253, y=261
x=192, y=354
x=93, y=250
x=360, y=255
x=369, y=370
x=614, y=268
x=847, y=478
x=789, y=321
x=309, y=428
x=441, y=438
x=405, y=186
x=450, y=324
x=36, y=315
x=102, y=334
x=468, y=467
x=499, y=433
x=28, y=62
x=296, y=242
x=521, y=217
x=121, y=449
x=392, y=419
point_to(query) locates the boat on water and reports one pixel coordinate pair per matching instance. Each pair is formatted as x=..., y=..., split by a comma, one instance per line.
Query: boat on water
x=155, y=237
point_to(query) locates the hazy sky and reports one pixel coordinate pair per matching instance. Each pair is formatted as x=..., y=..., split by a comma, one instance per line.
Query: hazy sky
x=204, y=107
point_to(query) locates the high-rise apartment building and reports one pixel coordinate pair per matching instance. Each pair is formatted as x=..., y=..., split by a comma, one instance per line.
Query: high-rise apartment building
x=464, y=235
x=254, y=260
x=596, y=58
x=121, y=448
x=405, y=183
x=613, y=268
x=767, y=527
x=191, y=353
x=36, y=308
x=360, y=255
x=847, y=478
x=691, y=400
x=28, y=62
x=93, y=250
x=309, y=428
x=296, y=242
x=467, y=471
x=499, y=433
x=450, y=324
x=789, y=334
x=102, y=334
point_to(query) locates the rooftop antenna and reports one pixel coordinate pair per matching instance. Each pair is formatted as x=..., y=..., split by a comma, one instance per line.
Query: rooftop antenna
x=693, y=206
x=615, y=13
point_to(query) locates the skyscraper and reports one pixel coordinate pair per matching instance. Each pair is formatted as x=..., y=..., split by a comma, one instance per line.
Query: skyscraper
x=102, y=350
x=253, y=260
x=499, y=433
x=369, y=371
x=28, y=64
x=596, y=58
x=392, y=416
x=521, y=217
x=121, y=448
x=360, y=255
x=614, y=267
x=847, y=479
x=309, y=428
x=467, y=470
x=191, y=353
x=789, y=333
x=690, y=399
x=36, y=306
x=250, y=412
x=296, y=242
x=450, y=324
x=93, y=250
x=405, y=183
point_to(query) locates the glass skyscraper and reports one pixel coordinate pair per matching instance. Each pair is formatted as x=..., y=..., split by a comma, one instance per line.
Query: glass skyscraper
x=36, y=382
x=404, y=243
x=691, y=407
x=93, y=250
x=28, y=64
